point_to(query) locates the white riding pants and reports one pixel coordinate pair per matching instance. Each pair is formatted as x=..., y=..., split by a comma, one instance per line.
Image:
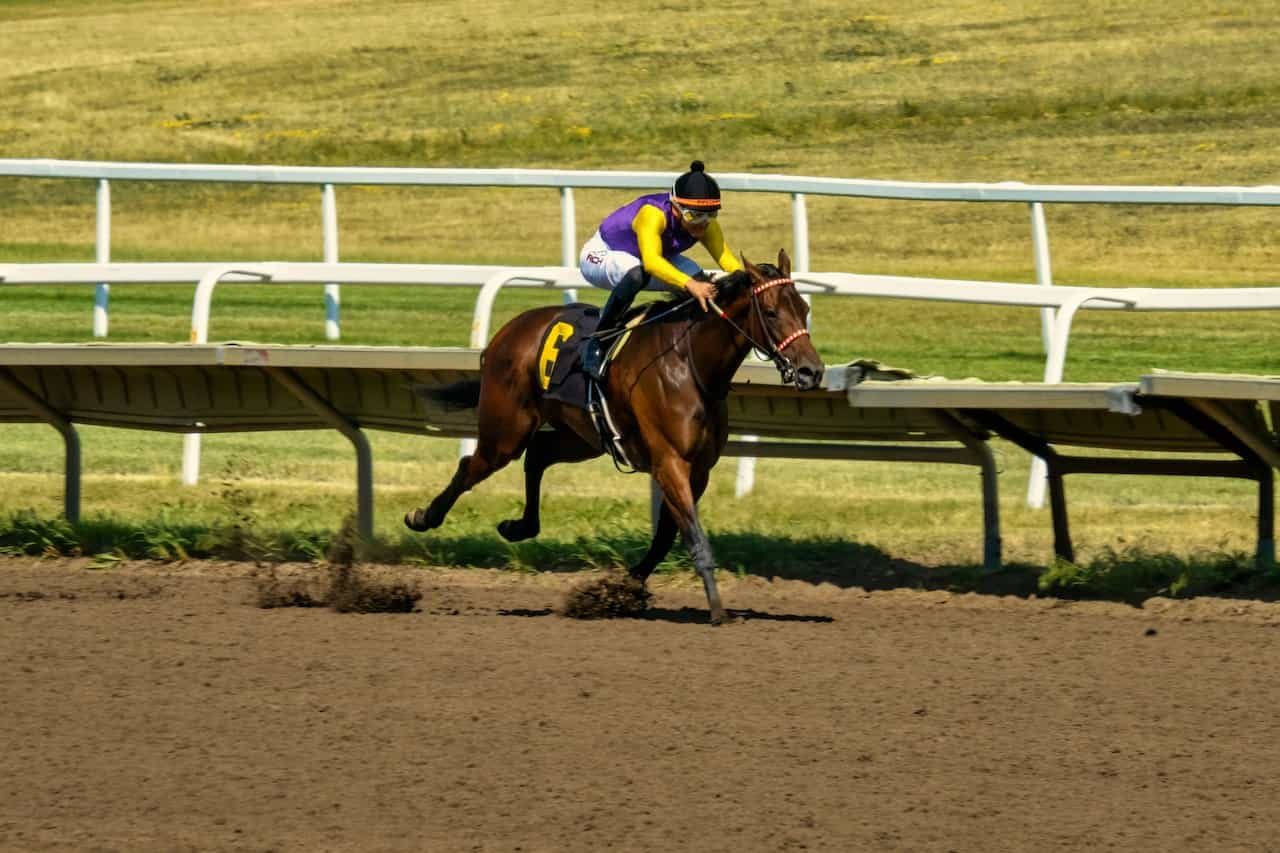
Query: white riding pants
x=604, y=267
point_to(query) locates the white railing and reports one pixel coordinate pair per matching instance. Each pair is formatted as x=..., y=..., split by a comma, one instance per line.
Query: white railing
x=489, y=279
x=207, y=277
x=566, y=180
x=1062, y=301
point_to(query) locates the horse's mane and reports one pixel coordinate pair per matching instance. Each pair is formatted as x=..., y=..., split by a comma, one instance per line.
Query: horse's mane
x=728, y=288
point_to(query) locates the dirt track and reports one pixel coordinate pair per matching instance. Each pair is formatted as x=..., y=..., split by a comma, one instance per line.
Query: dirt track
x=150, y=708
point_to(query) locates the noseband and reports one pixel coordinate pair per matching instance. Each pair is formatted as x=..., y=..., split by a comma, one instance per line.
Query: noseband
x=774, y=349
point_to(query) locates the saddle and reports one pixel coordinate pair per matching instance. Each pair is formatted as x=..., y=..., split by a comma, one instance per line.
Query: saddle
x=562, y=378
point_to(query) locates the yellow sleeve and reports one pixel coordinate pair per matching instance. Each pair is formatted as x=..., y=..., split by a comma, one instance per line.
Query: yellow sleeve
x=649, y=224
x=719, y=249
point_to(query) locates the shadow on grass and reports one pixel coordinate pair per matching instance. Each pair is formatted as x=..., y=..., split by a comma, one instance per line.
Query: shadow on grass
x=817, y=560
x=1131, y=575
x=852, y=564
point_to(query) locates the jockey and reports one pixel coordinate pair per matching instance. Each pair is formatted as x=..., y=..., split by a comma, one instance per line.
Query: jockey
x=638, y=246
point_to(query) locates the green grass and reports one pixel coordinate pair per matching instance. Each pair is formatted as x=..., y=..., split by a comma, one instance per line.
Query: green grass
x=1135, y=574
x=280, y=496
x=1087, y=93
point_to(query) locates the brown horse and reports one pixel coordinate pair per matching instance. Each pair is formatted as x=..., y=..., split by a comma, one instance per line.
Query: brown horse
x=666, y=393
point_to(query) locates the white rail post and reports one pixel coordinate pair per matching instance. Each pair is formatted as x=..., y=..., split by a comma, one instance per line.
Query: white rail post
x=1044, y=270
x=568, y=238
x=102, y=253
x=800, y=239
x=190, y=458
x=332, y=294
x=200, y=307
x=481, y=317
x=746, y=479
x=800, y=232
x=1036, y=482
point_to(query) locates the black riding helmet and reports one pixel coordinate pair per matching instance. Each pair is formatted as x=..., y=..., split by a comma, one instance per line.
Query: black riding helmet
x=697, y=190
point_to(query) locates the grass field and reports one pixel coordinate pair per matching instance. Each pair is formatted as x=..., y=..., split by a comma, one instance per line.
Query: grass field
x=1044, y=92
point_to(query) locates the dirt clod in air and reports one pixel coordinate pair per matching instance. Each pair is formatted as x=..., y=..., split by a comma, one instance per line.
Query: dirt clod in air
x=610, y=597
x=345, y=588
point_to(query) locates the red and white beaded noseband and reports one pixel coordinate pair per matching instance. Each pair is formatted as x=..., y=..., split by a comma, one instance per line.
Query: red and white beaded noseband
x=785, y=342
x=769, y=285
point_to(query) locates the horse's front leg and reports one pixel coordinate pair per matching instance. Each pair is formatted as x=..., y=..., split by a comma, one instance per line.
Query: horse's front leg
x=664, y=534
x=545, y=450
x=673, y=475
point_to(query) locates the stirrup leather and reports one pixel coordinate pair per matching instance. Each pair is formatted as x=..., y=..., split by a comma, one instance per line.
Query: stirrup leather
x=606, y=428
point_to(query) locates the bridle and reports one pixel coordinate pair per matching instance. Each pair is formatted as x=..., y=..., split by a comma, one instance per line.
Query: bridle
x=773, y=351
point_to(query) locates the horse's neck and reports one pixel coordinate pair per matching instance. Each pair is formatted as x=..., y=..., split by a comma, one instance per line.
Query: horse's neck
x=717, y=349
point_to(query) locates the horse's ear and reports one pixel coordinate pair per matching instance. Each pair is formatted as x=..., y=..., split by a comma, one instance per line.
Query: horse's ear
x=750, y=267
x=784, y=263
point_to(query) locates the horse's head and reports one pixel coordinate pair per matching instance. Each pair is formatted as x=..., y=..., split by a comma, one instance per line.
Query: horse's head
x=777, y=322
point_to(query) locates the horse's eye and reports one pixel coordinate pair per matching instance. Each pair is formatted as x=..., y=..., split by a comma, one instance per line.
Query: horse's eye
x=771, y=314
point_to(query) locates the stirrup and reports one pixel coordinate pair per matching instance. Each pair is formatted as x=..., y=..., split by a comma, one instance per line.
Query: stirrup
x=610, y=441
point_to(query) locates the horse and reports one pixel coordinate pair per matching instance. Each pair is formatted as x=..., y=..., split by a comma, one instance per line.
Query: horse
x=665, y=391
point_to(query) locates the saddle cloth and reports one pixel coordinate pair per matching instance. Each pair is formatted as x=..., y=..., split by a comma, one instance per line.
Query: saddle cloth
x=560, y=355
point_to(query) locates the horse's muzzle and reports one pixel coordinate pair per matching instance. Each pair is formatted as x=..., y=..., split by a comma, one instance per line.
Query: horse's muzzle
x=802, y=376
x=808, y=378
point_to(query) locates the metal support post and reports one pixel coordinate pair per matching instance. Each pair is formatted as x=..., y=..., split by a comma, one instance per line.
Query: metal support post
x=70, y=440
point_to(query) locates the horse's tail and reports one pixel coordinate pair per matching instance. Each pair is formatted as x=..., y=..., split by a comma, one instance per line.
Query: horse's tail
x=455, y=397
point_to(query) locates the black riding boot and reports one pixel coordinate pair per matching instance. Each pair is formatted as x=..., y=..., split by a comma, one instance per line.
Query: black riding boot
x=620, y=299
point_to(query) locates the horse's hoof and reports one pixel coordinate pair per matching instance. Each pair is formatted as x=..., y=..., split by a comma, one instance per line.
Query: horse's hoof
x=415, y=519
x=515, y=530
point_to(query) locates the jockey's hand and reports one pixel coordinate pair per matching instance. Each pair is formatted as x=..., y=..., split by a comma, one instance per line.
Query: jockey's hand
x=703, y=291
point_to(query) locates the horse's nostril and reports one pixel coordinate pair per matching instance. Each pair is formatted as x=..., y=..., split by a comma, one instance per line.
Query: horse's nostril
x=807, y=377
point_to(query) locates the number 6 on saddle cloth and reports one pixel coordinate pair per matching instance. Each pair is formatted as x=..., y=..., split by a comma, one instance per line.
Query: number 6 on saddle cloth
x=561, y=373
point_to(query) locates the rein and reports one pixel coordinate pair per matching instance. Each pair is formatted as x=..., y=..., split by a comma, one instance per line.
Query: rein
x=774, y=350
x=622, y=330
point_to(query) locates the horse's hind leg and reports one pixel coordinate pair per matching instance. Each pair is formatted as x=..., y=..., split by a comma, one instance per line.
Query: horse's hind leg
x=545, y=450
x=503, y=436
x=471, y=470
